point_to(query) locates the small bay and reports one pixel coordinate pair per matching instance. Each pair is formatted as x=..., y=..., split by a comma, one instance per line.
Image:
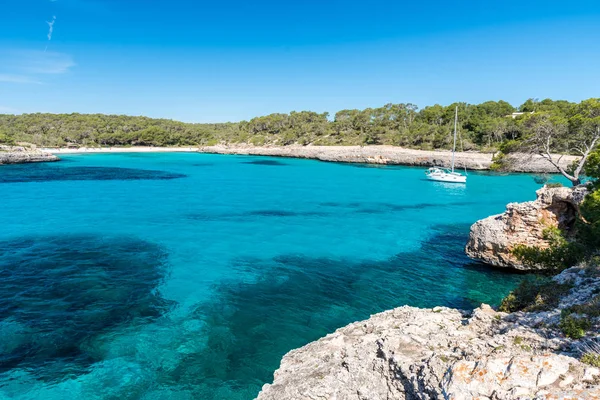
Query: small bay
x=189, y=276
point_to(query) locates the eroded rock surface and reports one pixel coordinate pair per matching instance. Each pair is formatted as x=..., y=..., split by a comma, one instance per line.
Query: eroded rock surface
x=441, y=353
x=493, y=239
x=19, y=155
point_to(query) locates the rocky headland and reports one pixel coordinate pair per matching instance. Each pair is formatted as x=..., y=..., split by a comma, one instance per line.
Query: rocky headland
x=442, y=353
x=392, y=155
x=21, y=154
x=546, y=350
x=493, y=239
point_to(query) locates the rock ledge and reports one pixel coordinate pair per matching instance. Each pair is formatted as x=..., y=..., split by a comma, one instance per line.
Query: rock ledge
x=492, y=239
x=442, y=353
x=20, y=155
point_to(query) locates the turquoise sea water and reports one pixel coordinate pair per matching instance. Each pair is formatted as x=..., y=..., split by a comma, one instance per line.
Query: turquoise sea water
x=188, y=276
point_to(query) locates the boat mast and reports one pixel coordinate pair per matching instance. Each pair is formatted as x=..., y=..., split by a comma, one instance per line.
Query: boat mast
x=454, y=147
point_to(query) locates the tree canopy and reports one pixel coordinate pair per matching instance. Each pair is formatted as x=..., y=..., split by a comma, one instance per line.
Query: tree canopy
x=486, y=127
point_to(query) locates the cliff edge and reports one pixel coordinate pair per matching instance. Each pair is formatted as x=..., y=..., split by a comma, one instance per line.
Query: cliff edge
x=493, y=239
x=442, y=353
x=20, y=155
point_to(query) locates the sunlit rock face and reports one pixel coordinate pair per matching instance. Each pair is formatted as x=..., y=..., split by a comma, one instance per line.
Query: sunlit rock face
x=59, y=293
x=22, y=155
x=493, y=239
x=444, y=353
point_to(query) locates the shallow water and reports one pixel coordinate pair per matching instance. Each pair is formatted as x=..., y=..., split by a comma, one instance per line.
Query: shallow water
x=188, y=276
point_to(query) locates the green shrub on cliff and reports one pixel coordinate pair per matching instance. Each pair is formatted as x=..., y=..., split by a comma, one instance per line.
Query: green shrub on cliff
x=573, y=326
x=534, y=294
x=592, y=359
x=561, y=253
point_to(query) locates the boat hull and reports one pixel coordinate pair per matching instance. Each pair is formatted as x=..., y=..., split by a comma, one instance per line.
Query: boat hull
x=448, y=178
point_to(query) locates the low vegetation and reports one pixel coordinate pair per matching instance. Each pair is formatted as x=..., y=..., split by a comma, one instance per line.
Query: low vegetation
x=534, y=294
x=592, y=359
x=574, y=326
x=561, y=253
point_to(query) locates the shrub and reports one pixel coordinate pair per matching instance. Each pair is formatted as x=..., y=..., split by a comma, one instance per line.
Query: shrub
x=591, y=308
x=572, y=326
x=560, y=255
x=534, y=294
x=592, y=359
x=554, y=185
x=589, y=229
x=510, y=146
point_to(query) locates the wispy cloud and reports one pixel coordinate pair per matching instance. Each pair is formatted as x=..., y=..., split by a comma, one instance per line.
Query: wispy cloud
x=39, y=62
x=51, y=27
x=29, y=66
x=18, y=79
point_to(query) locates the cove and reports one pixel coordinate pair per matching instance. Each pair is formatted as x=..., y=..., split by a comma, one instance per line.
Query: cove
x=188, y=276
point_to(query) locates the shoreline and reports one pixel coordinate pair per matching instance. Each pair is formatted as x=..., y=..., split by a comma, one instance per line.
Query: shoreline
x=381, y=154
x=134, y=149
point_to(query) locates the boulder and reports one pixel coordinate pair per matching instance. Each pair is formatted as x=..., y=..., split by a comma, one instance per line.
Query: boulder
x=20, y=155
x=493, y=239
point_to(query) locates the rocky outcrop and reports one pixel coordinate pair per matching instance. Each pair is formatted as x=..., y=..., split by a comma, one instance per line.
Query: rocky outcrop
x=391, y=155
x=19, y=155
x=493, y=239
x=441, y=353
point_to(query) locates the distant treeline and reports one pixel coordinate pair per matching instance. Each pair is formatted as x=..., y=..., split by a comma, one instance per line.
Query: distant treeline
x=482, y=126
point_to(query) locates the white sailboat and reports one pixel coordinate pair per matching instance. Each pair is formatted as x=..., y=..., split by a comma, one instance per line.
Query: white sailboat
x=441, y=174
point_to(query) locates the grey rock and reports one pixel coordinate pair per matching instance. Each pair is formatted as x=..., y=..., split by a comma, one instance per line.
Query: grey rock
x=493, y=239
x=440, y=353
x=20, y=155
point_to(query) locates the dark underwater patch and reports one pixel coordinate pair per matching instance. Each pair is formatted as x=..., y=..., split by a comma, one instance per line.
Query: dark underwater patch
x=47, y=173
x=58, y=293
x=297, y=299
x=285, y=213
x=274, y=163
x=203, y=164
x=275, y=213
x=382, y=208
x=339, y=204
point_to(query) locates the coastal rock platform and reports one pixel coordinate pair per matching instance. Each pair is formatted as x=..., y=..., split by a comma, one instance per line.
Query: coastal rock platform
x=442, y=353
x=20, y=155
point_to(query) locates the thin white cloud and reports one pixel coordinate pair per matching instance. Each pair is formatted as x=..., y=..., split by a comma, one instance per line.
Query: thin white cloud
x=28, y=66
x=51, y=27
x=18, y=79
x=42, y=62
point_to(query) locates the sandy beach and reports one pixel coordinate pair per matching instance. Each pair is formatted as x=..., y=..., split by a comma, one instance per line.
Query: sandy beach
x=135, y=149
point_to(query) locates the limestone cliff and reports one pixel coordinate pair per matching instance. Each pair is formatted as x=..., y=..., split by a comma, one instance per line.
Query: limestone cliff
x=441, y=353
x=492, y=239
x=19, y=155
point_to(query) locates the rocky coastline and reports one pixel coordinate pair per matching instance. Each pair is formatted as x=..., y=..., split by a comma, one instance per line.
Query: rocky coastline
x=22, y=155
x=443, y=353
x=392, y=155
x=492, y=240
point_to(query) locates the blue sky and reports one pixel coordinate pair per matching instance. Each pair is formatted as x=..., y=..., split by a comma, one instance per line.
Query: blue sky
x=230, y=60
